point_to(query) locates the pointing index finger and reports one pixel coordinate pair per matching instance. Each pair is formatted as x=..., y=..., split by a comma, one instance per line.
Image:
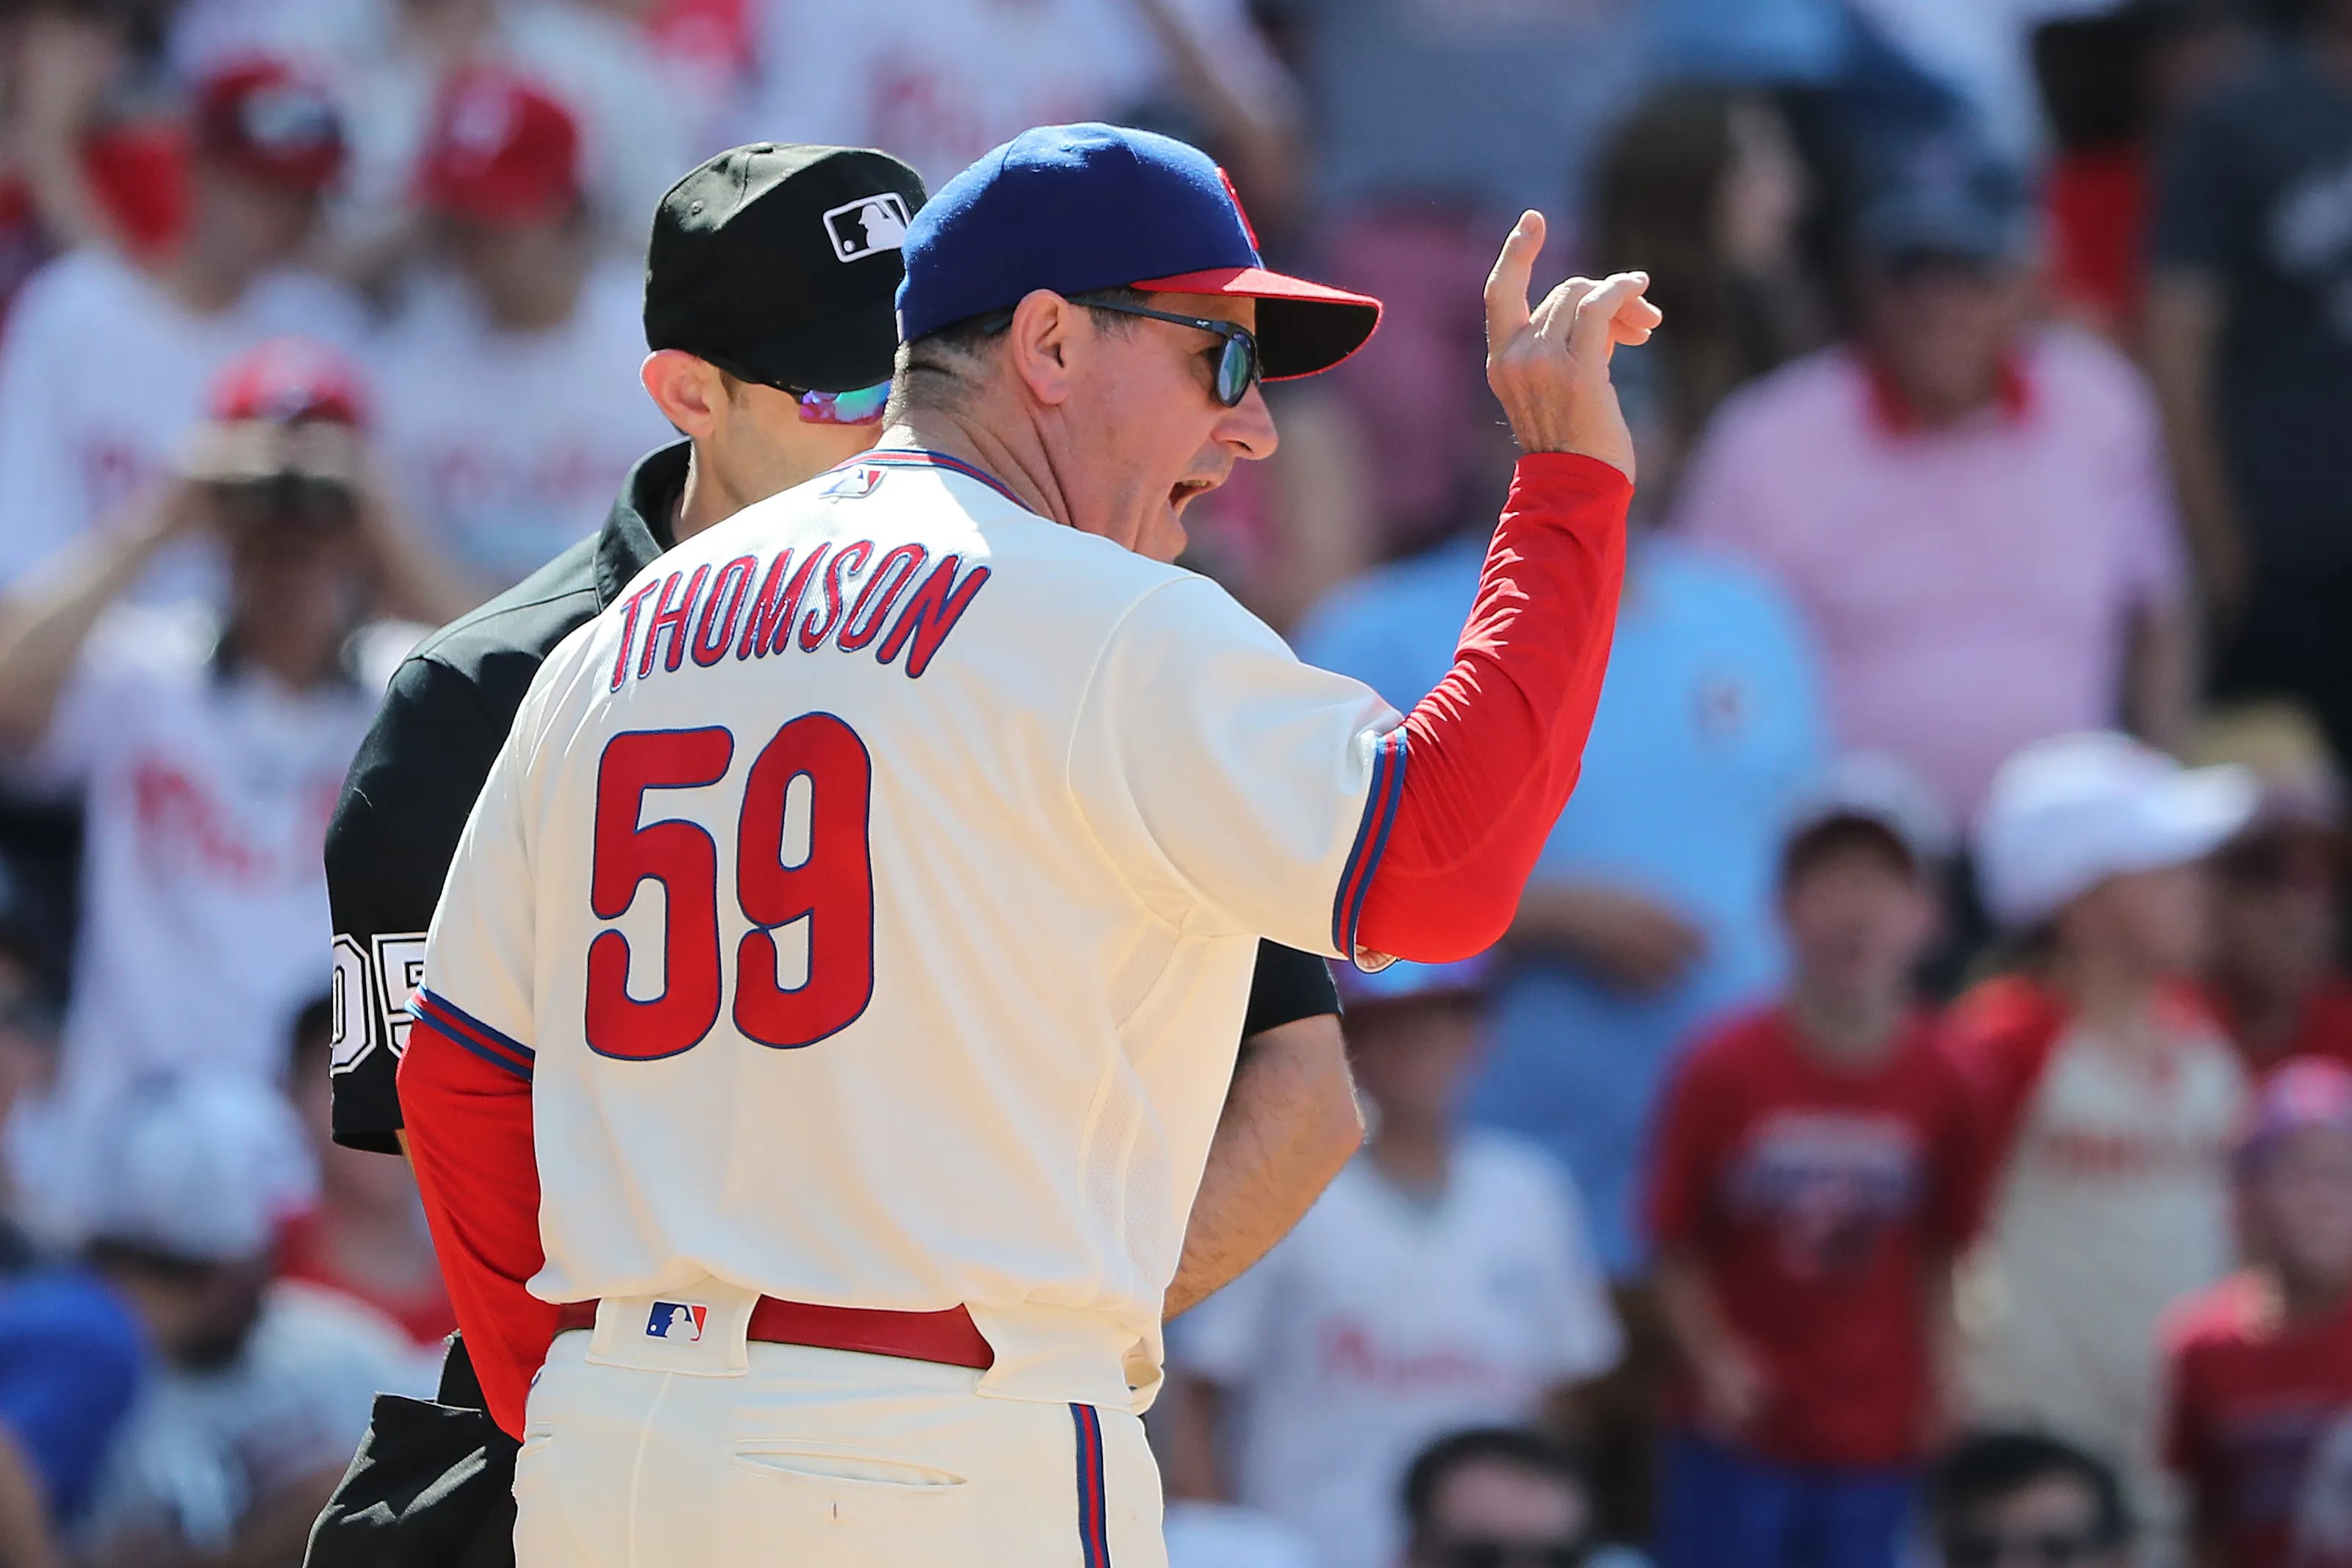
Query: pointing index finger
x=1507, y=285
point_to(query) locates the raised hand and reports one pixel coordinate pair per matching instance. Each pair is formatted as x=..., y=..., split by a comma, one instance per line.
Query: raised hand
x=1549, y=365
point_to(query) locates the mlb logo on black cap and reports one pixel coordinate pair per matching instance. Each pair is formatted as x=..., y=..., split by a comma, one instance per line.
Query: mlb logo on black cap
x=867, y=226
x=677, y=1321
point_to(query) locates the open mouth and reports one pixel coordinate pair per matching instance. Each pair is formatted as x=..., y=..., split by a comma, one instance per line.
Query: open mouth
x=1180, y=494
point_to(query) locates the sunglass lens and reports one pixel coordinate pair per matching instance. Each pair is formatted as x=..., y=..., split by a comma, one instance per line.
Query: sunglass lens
x=862, y=406
x=1236, y=371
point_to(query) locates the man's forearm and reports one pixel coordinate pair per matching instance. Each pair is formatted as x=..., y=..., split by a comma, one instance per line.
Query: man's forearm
x=43, y=623
x=2184, y=328
x=2160, y=678
x=1290, y=1123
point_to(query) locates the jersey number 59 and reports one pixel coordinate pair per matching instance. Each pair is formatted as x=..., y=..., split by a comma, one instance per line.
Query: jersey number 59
x=831, y=887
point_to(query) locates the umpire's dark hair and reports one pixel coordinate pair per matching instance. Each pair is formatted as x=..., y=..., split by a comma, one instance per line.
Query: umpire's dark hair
x=1518, y=1447
x=1986, y=1467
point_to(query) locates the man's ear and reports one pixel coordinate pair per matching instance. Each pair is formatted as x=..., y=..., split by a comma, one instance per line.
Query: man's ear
x=686, y=388
x=1042, y=342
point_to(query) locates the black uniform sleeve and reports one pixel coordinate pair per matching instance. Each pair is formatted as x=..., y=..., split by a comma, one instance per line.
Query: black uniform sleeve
x=395, y=831
x=1289, y=985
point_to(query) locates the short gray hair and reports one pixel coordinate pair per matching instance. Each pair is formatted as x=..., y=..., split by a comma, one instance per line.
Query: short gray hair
x=937, y=369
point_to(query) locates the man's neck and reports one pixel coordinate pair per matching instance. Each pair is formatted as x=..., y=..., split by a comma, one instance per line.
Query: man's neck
x=297, y=668
x=203, y=287
x=1410, y=1153
x=708, y=498
x=1021, y=466
x=2107, y=994
x=1849, y=1028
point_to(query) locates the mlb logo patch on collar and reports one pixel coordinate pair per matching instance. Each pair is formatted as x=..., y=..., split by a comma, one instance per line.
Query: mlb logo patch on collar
x=853, y=482
x=681, y=1321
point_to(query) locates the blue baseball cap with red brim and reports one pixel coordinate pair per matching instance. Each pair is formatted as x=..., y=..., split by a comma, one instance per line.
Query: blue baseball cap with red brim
x=1076, y=208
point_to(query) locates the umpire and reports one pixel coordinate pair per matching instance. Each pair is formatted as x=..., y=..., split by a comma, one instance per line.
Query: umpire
x=771, y=281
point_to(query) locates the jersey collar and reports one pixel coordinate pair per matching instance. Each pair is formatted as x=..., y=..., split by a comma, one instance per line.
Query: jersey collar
x=917, y=458
x=637, y=529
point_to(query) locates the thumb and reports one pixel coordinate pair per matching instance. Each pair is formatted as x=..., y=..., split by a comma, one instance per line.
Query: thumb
x=1507, y=285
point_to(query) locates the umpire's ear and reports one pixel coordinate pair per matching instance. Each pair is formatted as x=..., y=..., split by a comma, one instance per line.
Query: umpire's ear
x=687, y=388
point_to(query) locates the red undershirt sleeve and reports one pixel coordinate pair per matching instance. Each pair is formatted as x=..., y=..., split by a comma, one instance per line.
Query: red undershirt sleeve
x=1488, y=759
x=469, y=1137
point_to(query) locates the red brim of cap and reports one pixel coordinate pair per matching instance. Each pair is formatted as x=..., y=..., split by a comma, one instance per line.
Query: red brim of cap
x=1302, y=327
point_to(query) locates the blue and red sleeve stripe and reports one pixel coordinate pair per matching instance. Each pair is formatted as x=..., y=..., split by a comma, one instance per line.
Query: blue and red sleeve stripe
x=1372, y=841
x=464, y=1030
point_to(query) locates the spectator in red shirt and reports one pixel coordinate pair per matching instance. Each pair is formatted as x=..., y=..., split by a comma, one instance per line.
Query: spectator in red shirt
x=1814, y=1176
x=2260, y=1427
x=366, y=1237
x=2275, y=978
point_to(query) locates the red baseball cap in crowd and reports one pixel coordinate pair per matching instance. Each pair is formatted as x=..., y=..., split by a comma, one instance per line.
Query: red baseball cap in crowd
x=500, y=150
x=264, y=117
x=289, y=381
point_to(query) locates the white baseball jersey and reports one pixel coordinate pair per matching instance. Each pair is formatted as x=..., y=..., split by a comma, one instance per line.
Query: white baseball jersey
x=1385, y=1321
x=877, y=884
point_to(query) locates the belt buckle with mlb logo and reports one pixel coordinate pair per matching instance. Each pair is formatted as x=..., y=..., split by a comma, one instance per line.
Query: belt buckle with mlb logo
x=679, y=1322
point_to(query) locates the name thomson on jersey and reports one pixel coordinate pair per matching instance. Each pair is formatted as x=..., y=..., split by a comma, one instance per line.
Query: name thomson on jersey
x=897, y=606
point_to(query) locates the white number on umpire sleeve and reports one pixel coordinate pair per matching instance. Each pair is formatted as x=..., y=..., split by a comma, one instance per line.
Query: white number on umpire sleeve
x=355, y=1010
x=399, y=971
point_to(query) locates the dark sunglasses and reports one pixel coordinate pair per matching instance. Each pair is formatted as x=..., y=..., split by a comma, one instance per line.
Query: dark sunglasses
x=2049, y=1551
x=1474, y=1552
x=1237, y=363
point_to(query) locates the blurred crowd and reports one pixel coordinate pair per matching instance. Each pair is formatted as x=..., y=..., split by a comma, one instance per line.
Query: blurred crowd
x=1910, y=1119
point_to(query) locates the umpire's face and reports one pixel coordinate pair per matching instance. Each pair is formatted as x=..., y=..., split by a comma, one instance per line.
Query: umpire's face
x=1128, y=411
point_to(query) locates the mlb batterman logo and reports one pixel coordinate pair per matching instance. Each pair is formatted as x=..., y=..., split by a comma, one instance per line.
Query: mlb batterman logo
x=681, y=1321
x=867, y=226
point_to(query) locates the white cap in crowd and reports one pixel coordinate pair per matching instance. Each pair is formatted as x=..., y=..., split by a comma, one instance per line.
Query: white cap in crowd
x=201, y=1168
x=1876, y=788
x=2066, y=814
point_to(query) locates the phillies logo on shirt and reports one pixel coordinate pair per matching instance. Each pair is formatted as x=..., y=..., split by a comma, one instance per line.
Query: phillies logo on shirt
x=679, y=1320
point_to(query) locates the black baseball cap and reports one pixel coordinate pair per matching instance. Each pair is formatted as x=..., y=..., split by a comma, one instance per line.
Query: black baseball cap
x=779, y=263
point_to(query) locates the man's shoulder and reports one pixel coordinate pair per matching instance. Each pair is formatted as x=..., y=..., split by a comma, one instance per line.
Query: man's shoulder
x=521, y=626
x=2238, y=1313
x=89, y=282
x=1825, y=389
x=2076, y=371
x=1443, y=580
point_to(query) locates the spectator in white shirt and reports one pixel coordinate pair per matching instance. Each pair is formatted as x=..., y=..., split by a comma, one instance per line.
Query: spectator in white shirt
x=209, y=752
x=939, y=82
x=107, y=360
x=1443, y=1281
x=511, y=407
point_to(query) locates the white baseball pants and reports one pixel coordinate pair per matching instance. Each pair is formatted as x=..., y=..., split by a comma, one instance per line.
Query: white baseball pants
x=697, y=1448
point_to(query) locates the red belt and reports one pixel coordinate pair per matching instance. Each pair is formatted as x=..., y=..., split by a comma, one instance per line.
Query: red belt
x=948, y=1338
